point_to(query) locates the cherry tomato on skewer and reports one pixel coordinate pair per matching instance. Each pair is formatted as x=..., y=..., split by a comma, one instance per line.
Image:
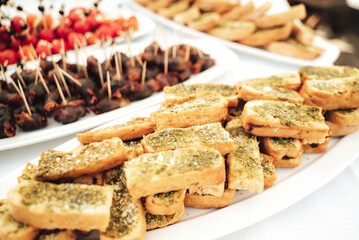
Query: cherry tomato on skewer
x=9, y=56
x=42, y=49
x=47, y=34
x=92, y=38
x=76, y=14
x=76, y=38
x=81, y=26
x=18, y=24
x=29, y=52
x=31, y=39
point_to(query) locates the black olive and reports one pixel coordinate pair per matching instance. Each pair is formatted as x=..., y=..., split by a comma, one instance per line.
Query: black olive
x=19, y=8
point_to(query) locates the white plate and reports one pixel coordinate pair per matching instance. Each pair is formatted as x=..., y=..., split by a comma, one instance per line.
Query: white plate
x=327, y=58
x=247, y=208
x=225, y=60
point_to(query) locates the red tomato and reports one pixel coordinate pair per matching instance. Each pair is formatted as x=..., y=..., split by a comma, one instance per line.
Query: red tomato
x=75, y=37
x=92, y=38
x=56, y=46
x=31, y=39
x=18, y=24
x=15, y=43
x=92, y=22
x=3, y=45
x=4, y=33
x=9, y=56
x=132, y=23
x=47, y=34
x=76, y=14
x=118, y=29
x=105, y=32
x=81, y=26
x=29, y=52
x=62, y=31
x=42, y=50
x=49, y=21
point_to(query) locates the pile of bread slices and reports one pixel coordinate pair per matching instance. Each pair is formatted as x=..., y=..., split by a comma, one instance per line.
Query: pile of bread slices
x=204, y=143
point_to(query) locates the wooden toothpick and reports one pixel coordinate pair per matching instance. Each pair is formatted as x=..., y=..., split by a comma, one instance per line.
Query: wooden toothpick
x=22, y=94
x=63, y=81
x=20, y=77
x=118, y=75
x=100, y=72
x=64, y=101
x=166, y=61
x=43, y=82
x=74, y=80
x=144, y=73
x=108, y=85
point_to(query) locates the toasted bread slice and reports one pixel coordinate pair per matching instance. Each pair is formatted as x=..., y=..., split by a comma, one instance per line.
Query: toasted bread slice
x=135, y=128
x=283, y=80
x=208, y=108
x=225, y=7
x=244, y=166
x=236, y=113
x=303, y=34
x=161, y=221
x=331, y=94
x=256, y=12
x=258, y=92
x=64, y=206
x=12, y=229
x=264, y=37
x=279, y=19
x=209, y=201
x=342, y=121
x=238, y=11
x=326, y=73
x=211, y=5
x=182, y=93
x=57, y=235
x=318, y=147
x=155, y=5
x=292, y=48
x=91, y=179
x=279, y=148
x=188, y=15
x=288, y=162
x=233, y=30
x=205, y=22
x=269, y=171
x=282, y=119
x=165, y=203
x=29, y=173
x=214, y=190
x=210, y=135
x=85, y=159
x=127, y=214
x=133, y=148
x=168, y=171
x=173, y=9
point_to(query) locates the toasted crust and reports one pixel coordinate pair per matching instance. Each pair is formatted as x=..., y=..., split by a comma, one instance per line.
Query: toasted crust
x=85, y=159
x=133, y=149
x=92, y=179
x=135, y=128
x=339, y=130
x=282, y=119
x=182, y=93
x=343, y=117
x=238, y=11
x=249, y=93
x=236, y=113
x=294, y=49
x=161, y=221
x=173, y=9
x=28, y=173
x=331, y=94
x=269, y=171
x=127, y=221
x=168, y=171
x=279, y=148
x=286, y=80
x=205, y=22
x=57, y=235
x=288, y=162
x=213, y=190
x=209, y=135
x=10, y=229
x=282, y=18
x=264, y=37
x=209, y=201
x=303, y=34
x=211, y=5
x=165, y=203
x=326, y=73
x=317, y=148
x=187, y=16
x=244, y=166
x=208, y=108
x=233, y=30
x=63, y=206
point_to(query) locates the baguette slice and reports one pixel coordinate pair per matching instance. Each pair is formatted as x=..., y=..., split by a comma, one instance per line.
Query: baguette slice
x=292, y=48
x=168, y=171
x=283, y=80
x=91, y=179
x=282, y=119
x=29, y=173
x=158, y=4
x=249, y=93
x=85, y=159
x=127, y=219
x=208, y=108
x=236, y=113
x=326, y=73
x=331, y=94
x=279, y=148
x=63, y=206
x=187, y=16
x=245, y=171
x=135, y=128
x=165, y=203
x=288, y=162
x=182, y=93
x=303, y=34
x=161, y=221
x=133, y=149
x=269, y=171
x=264, y=37
x=339, y=131
x=238, y=11
x=318, y=147
x=205, y=22
x=343, y=121
x=209, y=201
x=279, y=19
x=12, y=229
x=211, y=5
x=209, y=135
x=173, y=9
x=213, y=190
x=233, y=30
x=256, y=12
x=57, y=235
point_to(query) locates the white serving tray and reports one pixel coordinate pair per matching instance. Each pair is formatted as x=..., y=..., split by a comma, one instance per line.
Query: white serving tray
x=225, y=60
